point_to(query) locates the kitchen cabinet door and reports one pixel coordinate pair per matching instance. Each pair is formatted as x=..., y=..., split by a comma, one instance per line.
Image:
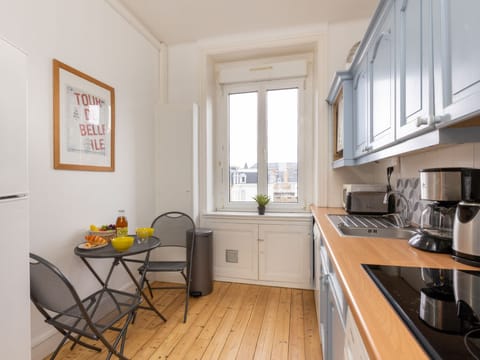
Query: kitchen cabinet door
x=414, y=73
x=285, y=254
x=267, y=254
x=382, y=84
x=456, y=33
x=317, y=270
x=340, y=117
x=354, y=345
x=360, y=109
x=235, y=253
x=337, y=330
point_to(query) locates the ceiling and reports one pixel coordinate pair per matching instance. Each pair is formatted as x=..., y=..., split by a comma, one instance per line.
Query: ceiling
x=179, y=21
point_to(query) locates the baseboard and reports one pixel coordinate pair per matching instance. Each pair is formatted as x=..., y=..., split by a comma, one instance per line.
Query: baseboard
x=266, y=283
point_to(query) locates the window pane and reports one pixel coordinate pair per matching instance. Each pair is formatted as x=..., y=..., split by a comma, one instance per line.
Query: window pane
x=282, y=127
x=242, y=116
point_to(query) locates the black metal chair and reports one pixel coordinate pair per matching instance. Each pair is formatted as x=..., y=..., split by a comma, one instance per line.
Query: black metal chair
x=56, y=298
x=174, y=229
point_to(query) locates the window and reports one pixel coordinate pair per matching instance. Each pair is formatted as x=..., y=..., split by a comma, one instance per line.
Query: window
x=262, y=151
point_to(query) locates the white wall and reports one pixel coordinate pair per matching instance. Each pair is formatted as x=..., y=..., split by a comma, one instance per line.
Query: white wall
x=407, y=166
x=91, y=37
x=184, y=87
x=341, y=37
x=183, y=74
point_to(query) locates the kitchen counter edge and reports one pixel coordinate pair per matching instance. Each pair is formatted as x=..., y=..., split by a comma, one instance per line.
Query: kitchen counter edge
x=383, y=332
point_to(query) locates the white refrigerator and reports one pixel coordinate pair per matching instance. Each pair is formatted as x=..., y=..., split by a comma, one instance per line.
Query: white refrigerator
x=14, y=269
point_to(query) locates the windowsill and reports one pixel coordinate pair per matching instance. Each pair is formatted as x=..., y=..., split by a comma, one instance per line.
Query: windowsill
x=250, y=215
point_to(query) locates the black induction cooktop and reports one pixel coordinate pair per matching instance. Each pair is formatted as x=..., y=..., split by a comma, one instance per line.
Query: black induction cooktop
x=441, y=307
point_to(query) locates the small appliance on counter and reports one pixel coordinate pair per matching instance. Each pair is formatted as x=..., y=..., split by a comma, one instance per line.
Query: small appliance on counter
x=364, y=199
x=466, y=227
x=445, y=188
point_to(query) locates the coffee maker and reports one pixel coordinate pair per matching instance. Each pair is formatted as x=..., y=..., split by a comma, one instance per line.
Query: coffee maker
x=444, y=188
x=466, y=229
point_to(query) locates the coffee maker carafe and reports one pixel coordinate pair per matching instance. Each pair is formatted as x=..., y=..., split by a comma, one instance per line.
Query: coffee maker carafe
x=437, y=219
x=443, y=188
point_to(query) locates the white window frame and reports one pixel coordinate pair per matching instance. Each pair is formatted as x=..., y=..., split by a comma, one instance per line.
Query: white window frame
x=222, y=171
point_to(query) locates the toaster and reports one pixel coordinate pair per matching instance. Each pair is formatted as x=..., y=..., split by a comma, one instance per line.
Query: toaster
x=365, y=198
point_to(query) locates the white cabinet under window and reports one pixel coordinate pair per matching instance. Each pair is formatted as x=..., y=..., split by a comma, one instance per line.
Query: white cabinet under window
x=235, y=250
x=285, y=253
x=456, y=32
x=263, y=253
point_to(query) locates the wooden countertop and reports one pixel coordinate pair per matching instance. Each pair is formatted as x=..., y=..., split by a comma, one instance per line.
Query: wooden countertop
x=383, y=332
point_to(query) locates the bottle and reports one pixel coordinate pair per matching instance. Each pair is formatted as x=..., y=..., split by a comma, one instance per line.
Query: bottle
x=121, y=224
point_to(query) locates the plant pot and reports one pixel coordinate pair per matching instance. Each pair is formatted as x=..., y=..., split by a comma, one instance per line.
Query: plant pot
x=261, y=210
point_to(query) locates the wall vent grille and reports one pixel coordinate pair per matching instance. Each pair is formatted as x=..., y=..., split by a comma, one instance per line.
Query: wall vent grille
x=231, y=256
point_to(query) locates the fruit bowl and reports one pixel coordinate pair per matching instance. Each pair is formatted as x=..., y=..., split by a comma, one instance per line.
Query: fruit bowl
x=122, y=243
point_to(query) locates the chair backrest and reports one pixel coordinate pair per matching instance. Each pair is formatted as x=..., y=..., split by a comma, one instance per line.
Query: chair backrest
x=49, y=288
x=174, y=228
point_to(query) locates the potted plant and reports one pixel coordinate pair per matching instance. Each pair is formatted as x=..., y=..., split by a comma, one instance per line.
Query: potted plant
x=262, y=200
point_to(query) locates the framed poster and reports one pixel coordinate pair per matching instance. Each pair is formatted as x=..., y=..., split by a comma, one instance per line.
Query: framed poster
x=84, y=121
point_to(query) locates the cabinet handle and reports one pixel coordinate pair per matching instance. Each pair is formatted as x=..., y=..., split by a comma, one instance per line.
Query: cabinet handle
x=441, y=118
x=324, y=278
x=421, y=120
x=367, y=148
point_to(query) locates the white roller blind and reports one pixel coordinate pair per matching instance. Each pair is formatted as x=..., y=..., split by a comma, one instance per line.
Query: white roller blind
x=267, y=71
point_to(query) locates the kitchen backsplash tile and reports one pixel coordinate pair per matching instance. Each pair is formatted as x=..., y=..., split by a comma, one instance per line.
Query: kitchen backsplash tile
x=410, y=188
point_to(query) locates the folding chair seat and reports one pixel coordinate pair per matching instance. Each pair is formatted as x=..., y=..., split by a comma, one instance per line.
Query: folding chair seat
x=57, y=300
x=174, y=229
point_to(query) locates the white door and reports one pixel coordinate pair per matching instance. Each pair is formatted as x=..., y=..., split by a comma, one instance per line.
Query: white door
x=176, y=176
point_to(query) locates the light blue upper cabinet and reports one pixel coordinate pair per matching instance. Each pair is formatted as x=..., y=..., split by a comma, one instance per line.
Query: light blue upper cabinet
x=414, y=72
x=341, y=118
x=360, y=109
x=456, y=44
x=381, y=65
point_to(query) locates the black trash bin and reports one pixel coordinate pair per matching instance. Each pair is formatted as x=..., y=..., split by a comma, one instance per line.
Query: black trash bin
x=202, y=267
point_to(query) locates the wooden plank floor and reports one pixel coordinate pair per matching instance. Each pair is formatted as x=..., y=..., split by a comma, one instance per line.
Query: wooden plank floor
x=235, y=321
